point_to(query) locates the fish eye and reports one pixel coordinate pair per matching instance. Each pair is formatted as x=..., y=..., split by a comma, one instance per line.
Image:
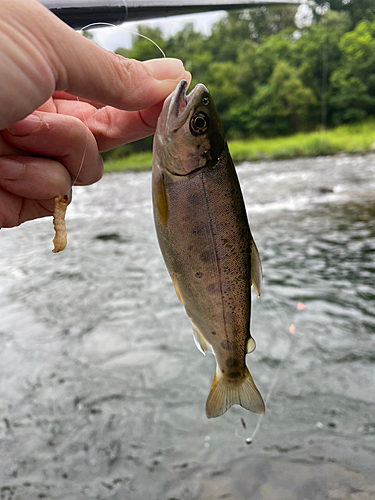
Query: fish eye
x=205, y=101
x=199, y=124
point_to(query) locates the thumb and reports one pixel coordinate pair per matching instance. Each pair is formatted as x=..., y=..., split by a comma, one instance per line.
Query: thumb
x=52, y=56
x=86, y=70
x=124, y=83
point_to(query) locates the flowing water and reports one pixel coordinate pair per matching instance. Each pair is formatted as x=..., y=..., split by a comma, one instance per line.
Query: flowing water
x=102, y=390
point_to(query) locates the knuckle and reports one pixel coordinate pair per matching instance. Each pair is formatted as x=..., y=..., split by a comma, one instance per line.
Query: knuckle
x=134, y=75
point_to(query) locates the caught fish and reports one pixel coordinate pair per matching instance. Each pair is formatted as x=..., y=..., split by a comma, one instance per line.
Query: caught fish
x=205, y=239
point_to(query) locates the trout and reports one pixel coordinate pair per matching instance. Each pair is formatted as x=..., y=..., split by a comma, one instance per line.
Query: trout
x=205, y=240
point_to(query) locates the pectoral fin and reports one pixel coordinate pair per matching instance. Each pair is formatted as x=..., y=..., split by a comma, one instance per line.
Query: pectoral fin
x=256, y=268
x=161, y=199
x=177, y=290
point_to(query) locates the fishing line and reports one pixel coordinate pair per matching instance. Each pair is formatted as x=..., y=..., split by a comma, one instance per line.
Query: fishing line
x=123, y=29
x=81, y=109
x=300, y=306
x=323, y=119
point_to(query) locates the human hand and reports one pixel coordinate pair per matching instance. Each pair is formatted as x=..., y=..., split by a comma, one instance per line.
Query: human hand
x=44, y=65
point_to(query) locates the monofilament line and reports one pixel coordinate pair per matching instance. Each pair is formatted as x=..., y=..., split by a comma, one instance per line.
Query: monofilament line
x=292, y=328
x=83, y=116
x=91, y=25
x=250, y=439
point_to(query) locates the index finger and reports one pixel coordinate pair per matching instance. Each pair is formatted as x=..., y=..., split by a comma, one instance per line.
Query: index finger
x=112, y=127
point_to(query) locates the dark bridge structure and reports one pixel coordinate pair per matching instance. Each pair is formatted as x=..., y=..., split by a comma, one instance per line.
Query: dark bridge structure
x=79, y=13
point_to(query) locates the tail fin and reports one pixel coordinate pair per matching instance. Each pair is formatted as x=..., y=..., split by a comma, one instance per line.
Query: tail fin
x=225, y=393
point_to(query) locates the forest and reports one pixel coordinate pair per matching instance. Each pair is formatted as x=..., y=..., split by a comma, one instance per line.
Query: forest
x=270, y=77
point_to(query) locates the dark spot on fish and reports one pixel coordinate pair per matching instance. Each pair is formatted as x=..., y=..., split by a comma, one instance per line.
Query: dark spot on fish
x=213, y=333
x=193, y=198
x=234, y=375
x=229, y=345
x=198, y=275
x=207, y=257
x=231, y=363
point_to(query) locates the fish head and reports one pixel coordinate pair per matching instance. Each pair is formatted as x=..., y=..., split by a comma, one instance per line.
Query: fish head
x=189, y=134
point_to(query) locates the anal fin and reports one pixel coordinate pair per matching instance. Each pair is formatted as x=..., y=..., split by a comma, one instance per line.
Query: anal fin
x=200, y=341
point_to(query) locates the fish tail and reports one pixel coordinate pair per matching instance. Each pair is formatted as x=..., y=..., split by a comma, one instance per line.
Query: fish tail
x=225, y=393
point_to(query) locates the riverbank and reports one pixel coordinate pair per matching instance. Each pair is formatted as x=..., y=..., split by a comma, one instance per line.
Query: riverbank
x=355, y=138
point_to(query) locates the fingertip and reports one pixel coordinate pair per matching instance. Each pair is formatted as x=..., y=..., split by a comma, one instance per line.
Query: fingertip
x=167, y=68
x=188, y=78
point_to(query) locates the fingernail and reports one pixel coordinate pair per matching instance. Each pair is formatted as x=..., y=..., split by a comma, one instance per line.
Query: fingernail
x=26, y=126
x=165, y=69
x=11, y=169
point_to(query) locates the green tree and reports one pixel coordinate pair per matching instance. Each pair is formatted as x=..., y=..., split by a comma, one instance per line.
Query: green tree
x=317, y=55
x=289, y=96
x=275, y=48
x=268, y=78
x=191, y=47
x=255, y=24
x=222, y=82
x=142, y=48
x=267, y=21
x=282, y=105
x=358, y=10
x=353, y=83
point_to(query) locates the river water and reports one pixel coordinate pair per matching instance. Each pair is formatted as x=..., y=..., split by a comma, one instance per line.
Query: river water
x=102, y=390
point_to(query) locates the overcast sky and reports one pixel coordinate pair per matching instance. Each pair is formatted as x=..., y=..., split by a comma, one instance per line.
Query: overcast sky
x=121, y=36
x=113, y=38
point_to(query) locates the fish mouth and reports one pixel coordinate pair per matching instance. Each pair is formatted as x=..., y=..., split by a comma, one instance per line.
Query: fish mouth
x=181, y=104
